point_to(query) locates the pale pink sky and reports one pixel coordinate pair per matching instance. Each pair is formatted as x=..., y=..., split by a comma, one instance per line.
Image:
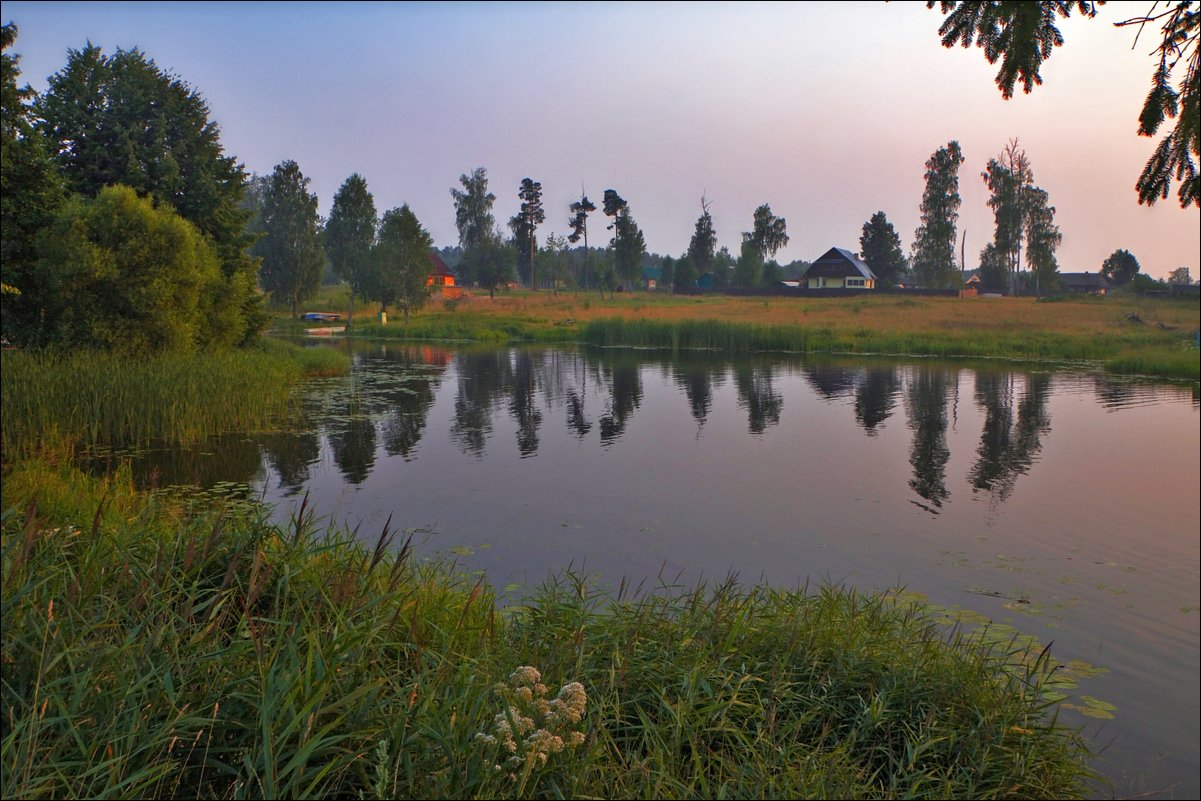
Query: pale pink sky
x=826, y=111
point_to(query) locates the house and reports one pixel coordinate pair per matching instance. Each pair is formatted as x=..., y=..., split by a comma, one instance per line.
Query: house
x=1093, y=283
x=706, y=281
x=442, y=279
x=840, y=269
x=651, y=276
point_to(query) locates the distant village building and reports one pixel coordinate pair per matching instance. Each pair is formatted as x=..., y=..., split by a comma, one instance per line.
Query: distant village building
x=442, y=279
x=840, y=269
x=1094, y=283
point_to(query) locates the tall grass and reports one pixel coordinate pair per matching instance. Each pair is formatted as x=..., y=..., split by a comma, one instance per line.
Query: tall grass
x=1103, y=330
x=160, y=646
x=89, y=399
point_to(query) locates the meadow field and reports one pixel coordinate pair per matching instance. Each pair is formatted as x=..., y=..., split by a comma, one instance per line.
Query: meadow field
x=1124, y=333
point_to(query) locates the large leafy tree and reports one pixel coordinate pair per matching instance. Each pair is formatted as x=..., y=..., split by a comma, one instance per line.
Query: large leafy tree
x=880, y=248
x=350, y=235
x=1120, y=267
x=749, y=270
x=473, y=208
x=491, y=261
x=934, y=242
x=1043, y=238
x=703, y=246
x=290, y=248
x=120, y=119
x=579, y=227
x=1024, y=219
x=1024, y=34
x=402, y=262
x=685, y=273
x=768, y=233
x=130, y=275
x=473, y=218
x=30, y=195
x=629, y=246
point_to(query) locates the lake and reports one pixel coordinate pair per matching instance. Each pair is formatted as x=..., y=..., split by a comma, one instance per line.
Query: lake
x=1064, y=503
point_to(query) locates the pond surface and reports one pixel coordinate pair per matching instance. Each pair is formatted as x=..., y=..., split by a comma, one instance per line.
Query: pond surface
x=1063, y=503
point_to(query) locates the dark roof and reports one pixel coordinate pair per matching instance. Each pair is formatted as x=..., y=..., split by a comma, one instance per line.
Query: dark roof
x=838, y=262
x=440, y=267
x=1083, y=281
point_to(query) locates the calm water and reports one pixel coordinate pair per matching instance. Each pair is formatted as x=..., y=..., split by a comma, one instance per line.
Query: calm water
x=1062, y=503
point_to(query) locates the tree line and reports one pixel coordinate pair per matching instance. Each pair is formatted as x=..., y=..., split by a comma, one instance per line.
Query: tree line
x=126, y=225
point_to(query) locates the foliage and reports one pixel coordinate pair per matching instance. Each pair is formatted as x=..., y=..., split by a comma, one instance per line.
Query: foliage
x=553, y=257
x=880, y=249
x=290, y=250
x=749, y=270
x=768, y=234
x=120, y=119
x=402, y=264
x=473, y=209
x=1119, y=267
x=31, y=195
x=667, y=273
x=1022, y=35
x=173, y=645
x=703, y=246
x=629, y=251
x=122, y=274
x=350, y=234
x=525, y=226
x=579, y=228
x=492, y=262
x=685, y=273
x=934, y=242
x=1023, y=215
x=1179, y=277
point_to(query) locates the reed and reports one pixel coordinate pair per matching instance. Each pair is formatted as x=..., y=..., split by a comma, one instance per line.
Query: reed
x=175, y=646
x=87, y=400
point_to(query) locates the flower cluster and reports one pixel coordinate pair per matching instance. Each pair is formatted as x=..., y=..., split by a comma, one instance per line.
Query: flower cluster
x=531, y=727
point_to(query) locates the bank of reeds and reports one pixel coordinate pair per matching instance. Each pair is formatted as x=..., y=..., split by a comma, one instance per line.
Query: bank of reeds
x=159, y=646
x=89, y=399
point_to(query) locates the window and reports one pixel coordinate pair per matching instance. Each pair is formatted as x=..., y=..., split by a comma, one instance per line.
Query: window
x=856, y=282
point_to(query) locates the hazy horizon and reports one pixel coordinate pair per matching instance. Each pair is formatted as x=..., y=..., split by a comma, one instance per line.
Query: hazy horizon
x=826, y=112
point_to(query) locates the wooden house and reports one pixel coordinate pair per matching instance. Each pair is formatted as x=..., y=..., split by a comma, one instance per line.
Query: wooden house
x=442, y=279
x=1092, y=283
x=840, y=269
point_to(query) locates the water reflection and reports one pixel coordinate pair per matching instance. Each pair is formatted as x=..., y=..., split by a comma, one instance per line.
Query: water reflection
x=623, y=376
x=291, y=454
x=1008, y=446
x=757, y=395
x=929, y=388
x=383, y=410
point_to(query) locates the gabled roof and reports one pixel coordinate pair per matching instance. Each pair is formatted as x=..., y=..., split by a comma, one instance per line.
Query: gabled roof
x=440, y=267
x=839, y=262
x=1084, y=280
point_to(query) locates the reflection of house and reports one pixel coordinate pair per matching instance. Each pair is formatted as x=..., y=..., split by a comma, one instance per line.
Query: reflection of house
x=1095, y=283
x=442, y=279
x=840, y=269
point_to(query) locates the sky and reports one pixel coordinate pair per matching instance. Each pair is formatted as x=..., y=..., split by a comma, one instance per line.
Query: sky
x=826, y=111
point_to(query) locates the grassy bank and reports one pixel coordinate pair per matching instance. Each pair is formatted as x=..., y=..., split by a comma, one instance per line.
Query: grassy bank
x=162, y=646
x=84, y=400
x=1124, y=333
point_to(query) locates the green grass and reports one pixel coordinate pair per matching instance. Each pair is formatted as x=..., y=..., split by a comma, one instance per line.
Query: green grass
x=160, y=645
x=1143, y=352
x=89, y=399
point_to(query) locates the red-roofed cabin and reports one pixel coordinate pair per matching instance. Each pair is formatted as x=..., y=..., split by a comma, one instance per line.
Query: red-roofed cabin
x=443, y=279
